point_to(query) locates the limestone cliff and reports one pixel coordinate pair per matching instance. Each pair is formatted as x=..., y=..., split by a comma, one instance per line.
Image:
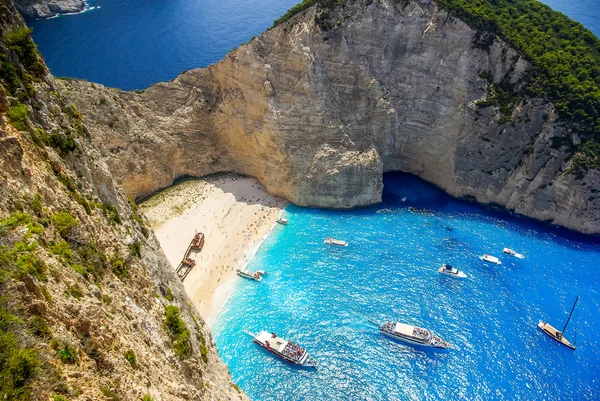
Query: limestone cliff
x=317, y=116
x=90, y=309
x=41, y=9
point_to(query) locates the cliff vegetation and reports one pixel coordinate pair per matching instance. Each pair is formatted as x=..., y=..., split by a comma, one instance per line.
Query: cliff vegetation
x=565, y=57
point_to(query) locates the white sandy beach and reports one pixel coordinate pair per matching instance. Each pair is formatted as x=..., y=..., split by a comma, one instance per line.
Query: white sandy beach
x=234, y=212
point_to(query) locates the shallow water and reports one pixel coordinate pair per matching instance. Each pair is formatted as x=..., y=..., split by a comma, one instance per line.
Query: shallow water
x=321, y=297
x=132, y=44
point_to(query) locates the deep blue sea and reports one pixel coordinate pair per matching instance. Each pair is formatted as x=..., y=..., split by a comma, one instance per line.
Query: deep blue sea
x=132, y=44
x=321, y=297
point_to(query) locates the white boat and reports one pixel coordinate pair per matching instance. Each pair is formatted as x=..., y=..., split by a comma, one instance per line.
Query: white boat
x=451, y=271
x=337, y=242
x=412, y=334
x=262, y=272
x=249, y=275
x=554, y=333
x=283, y=349
x=490, y=259
x=282, y=220
x=513, y=253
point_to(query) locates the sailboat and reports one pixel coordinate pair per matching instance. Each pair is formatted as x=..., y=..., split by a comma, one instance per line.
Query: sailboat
x=558, y=335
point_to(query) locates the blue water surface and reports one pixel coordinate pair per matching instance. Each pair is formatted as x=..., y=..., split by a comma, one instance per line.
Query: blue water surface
x=132, y=44
x=321, y=297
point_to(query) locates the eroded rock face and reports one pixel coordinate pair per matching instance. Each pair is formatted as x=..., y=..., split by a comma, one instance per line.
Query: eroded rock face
x=318, y=116
x=49, y=8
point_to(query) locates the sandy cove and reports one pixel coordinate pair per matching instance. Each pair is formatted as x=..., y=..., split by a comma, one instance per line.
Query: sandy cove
x=234, y=212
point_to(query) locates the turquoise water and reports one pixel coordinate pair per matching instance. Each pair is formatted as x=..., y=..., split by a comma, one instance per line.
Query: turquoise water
x=321, y=297
x=131, y=44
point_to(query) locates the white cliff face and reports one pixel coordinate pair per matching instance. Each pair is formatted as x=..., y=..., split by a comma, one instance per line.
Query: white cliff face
x=318, y=116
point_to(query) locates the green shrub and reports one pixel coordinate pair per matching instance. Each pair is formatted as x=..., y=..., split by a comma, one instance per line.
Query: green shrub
x=62, y=142
x=34, y=229
x=130, y=357
x=106, y=299
x=46, y=294
x=63, y=222
x=19, y=41
x=74, y=290
x=62, y=250
x=67, y=354
x=111, y=213
x=28, y=263
x=135, y=249
x=178, y=332
x=17, y=116
x=15, y=219
x=59, y=398
x=119, y=267
x=147, y=397
x=169, y=294
x=110, y=393
x=327, y=5
x=39, y=327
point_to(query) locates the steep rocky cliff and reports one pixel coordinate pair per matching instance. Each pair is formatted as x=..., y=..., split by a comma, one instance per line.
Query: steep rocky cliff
x=90, y=309
x=320, y=106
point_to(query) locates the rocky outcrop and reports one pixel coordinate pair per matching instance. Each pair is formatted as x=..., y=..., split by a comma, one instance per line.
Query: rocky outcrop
x=91, y=309
x=42, y=9
x=317, y=116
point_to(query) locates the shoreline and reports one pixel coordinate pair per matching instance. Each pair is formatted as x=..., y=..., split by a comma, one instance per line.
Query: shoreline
x=235, y=213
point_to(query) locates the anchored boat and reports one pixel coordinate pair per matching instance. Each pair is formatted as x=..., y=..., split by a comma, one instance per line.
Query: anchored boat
x=283, y=349
x=490, y=259
x=282, y=220
x=554, y=333
x=412, y=334
x=337, y=242
x=249, y=275
x=451, y=271
x=513, y=253
x=262, y=272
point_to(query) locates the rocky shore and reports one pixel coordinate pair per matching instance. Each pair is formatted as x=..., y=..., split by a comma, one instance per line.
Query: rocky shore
x=43, y=9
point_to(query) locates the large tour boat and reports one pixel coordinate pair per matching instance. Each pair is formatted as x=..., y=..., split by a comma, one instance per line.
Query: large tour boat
x=451, y=271
x=490, y=259
x=286, y=350
x=412, y=334
x=249, y=275
x=336, y=242
x=510, y=252
x=282, y=220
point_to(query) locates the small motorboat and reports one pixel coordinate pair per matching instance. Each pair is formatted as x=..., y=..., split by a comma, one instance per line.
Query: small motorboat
x=282, y=220
x=412, y=334
x=249, y=275
x=510, y=252
x=262, y=272
x=283, y=349
x=451, y=271
x=336, y=242
x=490, y=259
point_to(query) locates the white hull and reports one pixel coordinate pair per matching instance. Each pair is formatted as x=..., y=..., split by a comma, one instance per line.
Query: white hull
x=458, y=274
x=513, y=253
x=405, y=340
x=336, y=242
x=490, y=259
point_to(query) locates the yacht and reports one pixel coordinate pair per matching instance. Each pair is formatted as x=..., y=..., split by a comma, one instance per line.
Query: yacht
x=283, y=349
x=282, y=220
x=412, y=334
x=262, y=272
x=510, y=252
x=554, y=333
x=337, y=242
x=490, y=259
x=451, y=271
x=249, y=275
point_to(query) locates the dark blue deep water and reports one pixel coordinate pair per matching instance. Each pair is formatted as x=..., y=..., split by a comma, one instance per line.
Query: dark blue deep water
x=131, y=44
x=321, y=297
